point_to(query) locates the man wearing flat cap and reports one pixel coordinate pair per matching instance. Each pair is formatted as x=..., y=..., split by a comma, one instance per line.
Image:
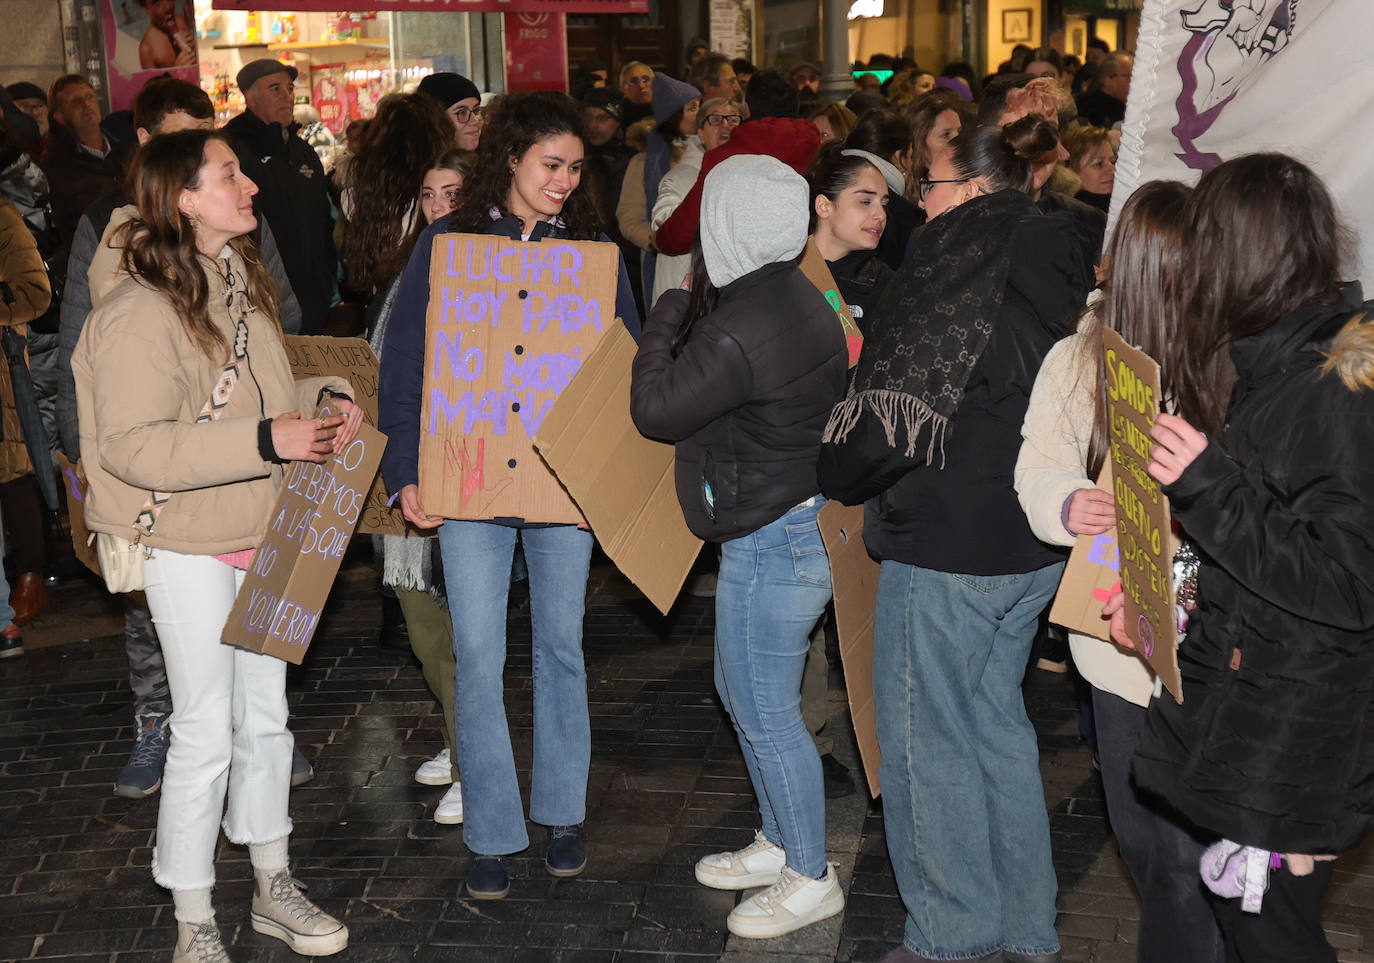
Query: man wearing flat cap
x=292, y=192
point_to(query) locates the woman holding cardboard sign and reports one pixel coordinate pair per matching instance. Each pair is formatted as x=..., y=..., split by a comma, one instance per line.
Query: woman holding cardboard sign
x=1065, y=445
x=524, y=187
x=162, y=411
x=741, y=372
x=1267, y=467
x=955, y=344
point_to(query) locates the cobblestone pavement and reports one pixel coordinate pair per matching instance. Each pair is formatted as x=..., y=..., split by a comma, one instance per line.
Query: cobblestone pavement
x=667, y=786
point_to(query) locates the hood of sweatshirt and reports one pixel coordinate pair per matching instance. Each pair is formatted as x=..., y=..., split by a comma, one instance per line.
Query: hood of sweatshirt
x=753, y=213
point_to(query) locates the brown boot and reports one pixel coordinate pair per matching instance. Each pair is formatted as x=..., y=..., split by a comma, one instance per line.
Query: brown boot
x=29, y=597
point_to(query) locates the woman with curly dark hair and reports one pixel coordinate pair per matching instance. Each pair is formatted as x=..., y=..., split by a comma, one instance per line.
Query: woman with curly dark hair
x=409, y=133
x=525, y=186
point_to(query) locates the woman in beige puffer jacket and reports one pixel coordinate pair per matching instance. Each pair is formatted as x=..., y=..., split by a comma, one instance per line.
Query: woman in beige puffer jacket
x=188, y=412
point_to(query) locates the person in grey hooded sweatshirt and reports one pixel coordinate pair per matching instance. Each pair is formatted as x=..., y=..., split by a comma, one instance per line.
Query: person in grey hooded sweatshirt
x=741, y=373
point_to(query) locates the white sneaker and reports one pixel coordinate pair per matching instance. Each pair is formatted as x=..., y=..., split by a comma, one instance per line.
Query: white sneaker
x=757, y=864
x=437, y=771
x=450, y=809
x=789, y=904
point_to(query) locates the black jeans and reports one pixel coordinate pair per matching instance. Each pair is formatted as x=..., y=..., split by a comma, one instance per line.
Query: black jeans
x=1177, y=923
x=1288, y=928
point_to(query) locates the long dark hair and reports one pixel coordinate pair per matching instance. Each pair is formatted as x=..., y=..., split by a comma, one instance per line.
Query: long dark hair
x=402, y=143
x=515, y=124
x=1144, y=296
x=831, y=174
x=1002, y=156
x=701, y=299
x=160, y=241
x=1268, y=240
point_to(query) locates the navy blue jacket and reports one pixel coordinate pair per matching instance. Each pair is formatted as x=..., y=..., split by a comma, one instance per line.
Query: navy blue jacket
x=400, y=391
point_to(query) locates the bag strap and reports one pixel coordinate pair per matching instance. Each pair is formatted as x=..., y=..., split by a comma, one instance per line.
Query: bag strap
x=219, y=395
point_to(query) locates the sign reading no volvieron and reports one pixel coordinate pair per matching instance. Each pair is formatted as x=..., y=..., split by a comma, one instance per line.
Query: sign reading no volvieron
x=278, y=608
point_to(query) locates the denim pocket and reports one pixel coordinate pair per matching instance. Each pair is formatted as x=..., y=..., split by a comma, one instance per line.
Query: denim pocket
x=988, y=584
x=809, y=560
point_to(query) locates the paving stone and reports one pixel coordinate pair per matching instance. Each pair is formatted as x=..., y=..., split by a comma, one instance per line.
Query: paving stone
x=667, y=786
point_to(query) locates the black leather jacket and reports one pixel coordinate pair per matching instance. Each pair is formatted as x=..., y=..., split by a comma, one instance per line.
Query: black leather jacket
x=746, y=399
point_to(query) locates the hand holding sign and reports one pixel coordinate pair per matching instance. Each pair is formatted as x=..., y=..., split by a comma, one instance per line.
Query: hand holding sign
x=298, y=439
x=414, y=511
x=1177, y=445
x=1115, y=614
x=1091, y=512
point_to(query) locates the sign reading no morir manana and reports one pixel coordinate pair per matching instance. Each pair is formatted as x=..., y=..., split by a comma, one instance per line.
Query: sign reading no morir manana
x=509, y=325
x=1145, y=542
x=278, y=608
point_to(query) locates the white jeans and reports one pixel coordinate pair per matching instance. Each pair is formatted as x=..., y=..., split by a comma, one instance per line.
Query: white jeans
x=228, y=724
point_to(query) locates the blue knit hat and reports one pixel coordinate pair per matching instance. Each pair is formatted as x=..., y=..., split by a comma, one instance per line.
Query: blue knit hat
x=670, y=96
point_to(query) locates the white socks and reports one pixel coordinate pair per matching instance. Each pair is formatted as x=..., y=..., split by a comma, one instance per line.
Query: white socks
x=269, y=858
x=192, y=905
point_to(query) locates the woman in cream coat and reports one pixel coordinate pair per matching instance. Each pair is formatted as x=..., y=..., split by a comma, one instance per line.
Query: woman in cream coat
x=1064, y=447
x=188, y=413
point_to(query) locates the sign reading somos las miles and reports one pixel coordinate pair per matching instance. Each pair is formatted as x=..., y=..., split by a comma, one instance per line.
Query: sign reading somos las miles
x=509, y=324
x=1144, y=541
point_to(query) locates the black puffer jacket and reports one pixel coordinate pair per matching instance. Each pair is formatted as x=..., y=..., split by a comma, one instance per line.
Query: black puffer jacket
x=861, y=277
x=746, y=400
x=1273, y=745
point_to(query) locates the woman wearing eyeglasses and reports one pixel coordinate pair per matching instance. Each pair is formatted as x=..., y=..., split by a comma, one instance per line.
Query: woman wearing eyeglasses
x=928, y=439
x=717, y=119
x=462, y=101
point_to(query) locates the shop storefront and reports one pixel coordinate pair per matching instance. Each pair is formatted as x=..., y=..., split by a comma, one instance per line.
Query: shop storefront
x=348, y=59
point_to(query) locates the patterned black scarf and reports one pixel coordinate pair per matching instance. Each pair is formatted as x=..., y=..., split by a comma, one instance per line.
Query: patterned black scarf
x=933, y=322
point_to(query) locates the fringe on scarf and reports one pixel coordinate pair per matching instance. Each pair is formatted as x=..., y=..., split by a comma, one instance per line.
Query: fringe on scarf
x=406, y=564
x=891, y=408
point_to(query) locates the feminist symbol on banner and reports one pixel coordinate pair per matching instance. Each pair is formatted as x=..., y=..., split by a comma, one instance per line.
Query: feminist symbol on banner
x=1231, y=40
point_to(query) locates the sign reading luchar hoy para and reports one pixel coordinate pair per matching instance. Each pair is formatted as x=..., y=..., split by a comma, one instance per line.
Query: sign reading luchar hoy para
x=278, y=608
x=1144, y=538
x=509, y=324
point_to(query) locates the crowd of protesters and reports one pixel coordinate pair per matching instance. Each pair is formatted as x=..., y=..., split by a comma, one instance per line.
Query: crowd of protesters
x=150, y=265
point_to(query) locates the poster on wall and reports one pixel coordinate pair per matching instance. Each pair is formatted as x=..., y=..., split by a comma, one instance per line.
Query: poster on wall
x=732, y=27
x=1215, y=80
x=536, y=51
x=447, y=6
x=146, y=38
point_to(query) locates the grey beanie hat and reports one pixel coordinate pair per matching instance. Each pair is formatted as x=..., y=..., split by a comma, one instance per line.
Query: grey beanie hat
x=754, y=212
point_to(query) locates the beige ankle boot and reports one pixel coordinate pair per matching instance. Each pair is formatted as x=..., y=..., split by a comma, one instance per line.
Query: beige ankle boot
x=280, y=909
x=199, y=943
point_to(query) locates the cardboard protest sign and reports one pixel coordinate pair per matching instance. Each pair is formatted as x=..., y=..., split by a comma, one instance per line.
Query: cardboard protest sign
x=351, y=359
x=82, y=544
x=854, y=580
x=622, y=481
x=813, y=265
x=1090, y=578
x=278, y=608
x=510, y=323
x=1142, y=509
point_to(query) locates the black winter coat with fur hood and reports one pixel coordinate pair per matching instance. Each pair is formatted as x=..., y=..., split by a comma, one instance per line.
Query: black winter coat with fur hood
x=1273, y=745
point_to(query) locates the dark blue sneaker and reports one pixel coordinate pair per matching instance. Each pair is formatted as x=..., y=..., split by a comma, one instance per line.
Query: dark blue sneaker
x=565, y=854
x=142, y=774
x=487, y=877
x=301, y=770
